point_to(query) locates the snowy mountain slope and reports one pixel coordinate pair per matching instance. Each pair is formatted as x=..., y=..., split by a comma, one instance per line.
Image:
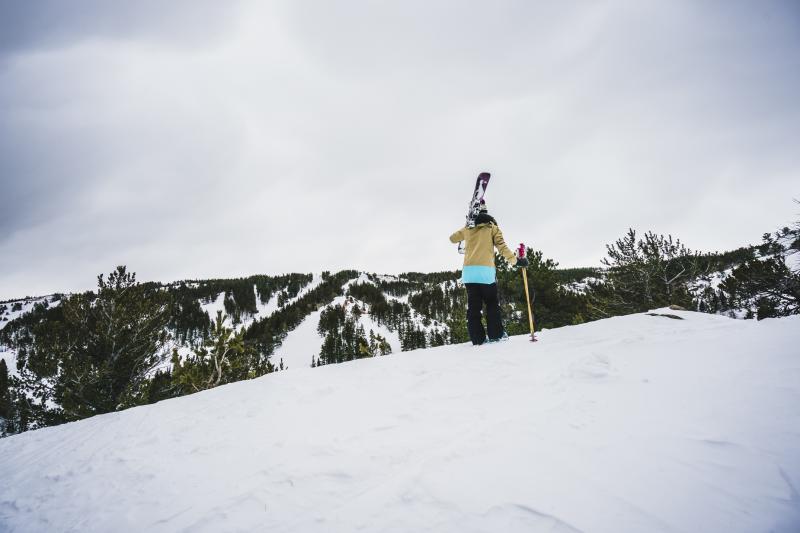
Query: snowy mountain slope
x=304, y=342
x=212, y=306
x=636, y=423
x=12, y=310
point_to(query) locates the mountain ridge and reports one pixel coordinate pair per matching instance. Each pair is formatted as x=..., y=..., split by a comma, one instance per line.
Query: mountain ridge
x=274, y=322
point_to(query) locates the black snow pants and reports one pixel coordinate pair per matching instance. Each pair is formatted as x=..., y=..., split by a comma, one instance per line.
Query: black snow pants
x=479, y=294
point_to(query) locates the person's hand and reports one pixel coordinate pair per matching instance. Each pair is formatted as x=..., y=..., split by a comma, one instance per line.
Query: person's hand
x=522, y=262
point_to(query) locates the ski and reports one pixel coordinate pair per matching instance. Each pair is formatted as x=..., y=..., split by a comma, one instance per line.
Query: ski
x=475, y=203
x=477, y=198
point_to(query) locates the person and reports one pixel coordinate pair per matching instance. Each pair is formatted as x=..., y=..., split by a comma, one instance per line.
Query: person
x=480, y=276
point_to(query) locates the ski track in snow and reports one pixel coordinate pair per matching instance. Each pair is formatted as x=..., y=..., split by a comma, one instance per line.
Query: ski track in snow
x=631, y=424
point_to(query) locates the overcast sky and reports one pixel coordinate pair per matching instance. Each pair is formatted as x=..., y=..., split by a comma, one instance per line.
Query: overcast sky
x=191, y=139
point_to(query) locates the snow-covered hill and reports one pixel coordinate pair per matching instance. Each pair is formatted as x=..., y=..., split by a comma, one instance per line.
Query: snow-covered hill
x=13, y=309
x=305, y=342
x=638, y=423
x=297, y=349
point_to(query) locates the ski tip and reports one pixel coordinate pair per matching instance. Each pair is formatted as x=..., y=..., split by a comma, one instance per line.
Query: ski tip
x=484, y=175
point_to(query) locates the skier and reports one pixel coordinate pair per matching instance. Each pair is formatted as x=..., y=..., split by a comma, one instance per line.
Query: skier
x=479, y=274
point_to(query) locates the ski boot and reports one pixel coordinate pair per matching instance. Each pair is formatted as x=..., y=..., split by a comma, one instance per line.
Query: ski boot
x=503, y=337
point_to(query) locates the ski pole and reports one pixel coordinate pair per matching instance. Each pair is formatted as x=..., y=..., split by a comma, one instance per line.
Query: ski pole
x=521, y=254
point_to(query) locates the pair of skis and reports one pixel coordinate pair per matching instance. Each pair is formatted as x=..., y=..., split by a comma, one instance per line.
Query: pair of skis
x=475, y=203
x=477, y=198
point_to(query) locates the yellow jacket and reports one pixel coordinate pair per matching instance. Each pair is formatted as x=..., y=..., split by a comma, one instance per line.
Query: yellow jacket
x=479, y=251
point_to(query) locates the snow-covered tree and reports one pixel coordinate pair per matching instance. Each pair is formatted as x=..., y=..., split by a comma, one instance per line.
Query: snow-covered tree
x=100, y=355
x=645, y=273
x=222, y=358
x=5, y=397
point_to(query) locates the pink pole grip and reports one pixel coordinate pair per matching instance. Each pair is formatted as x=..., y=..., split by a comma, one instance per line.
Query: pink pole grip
x=521, y=250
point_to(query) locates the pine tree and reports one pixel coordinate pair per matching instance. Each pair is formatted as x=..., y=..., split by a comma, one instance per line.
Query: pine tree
x=645, y=274
x=382, y=345
x=764, y=285
x=222, y=358
x=5, y=396
x=100, y=356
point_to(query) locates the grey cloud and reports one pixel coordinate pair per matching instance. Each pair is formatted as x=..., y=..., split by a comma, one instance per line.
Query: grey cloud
x=43, y=24
x=58, y=136
x=314, y=135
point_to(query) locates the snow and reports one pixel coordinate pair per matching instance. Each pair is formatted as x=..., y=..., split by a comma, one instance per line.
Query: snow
x=793, y=261
x=263, y=310
x=26, y=307
x=272, y=305
x=211, y=307
x=392, y=337
x=268, y=307
x=580, y=287
x=9, y=355
x=635, y=423
x=712, y=280
x=402, y=299
x=303, y=342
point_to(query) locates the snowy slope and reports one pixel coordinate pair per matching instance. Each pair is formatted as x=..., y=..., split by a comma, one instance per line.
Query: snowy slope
x=304, y=342
x=632, y=424
x=263, y=310
x=8, y=313
x=212, y=307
